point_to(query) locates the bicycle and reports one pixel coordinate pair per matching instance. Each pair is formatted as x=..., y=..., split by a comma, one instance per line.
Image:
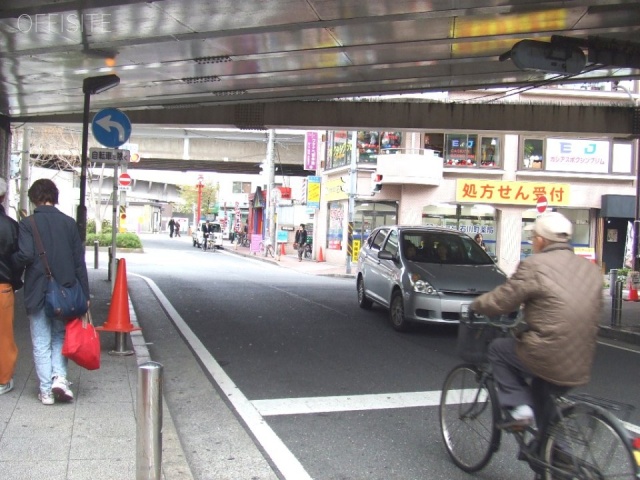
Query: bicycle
x=577, y=438
x=308, y=251
x=266, y=248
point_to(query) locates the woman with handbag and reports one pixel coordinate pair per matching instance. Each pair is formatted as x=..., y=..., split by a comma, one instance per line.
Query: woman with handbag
x=49, y=241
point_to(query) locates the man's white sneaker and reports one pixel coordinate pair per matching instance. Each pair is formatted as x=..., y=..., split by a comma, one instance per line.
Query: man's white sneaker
x=6, y=387
x=61, y=390
x=518, y=418
x=46, y=398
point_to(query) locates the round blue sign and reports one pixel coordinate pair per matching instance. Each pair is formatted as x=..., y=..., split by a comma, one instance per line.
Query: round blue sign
x=111, y=127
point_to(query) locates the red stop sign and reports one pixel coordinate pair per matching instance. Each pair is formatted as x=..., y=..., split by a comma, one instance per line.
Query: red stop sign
x=124, y=179
x=541, y=206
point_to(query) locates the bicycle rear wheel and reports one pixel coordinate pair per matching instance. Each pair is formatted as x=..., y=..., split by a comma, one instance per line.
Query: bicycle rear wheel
x=588, y=443
x=468, y=414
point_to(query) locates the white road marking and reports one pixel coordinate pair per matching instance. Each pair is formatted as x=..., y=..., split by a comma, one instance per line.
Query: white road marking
x=345, y=403
x=285, y=461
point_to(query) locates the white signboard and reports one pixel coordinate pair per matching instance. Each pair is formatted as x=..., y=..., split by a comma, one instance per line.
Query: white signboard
x=584, y=156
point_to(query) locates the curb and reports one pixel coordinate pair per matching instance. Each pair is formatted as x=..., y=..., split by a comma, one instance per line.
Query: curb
x=618, y=333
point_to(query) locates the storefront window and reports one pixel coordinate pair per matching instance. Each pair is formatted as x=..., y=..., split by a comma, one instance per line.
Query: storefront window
x=581, y=228
x=368, y=146
x=435, y=142
x=533, y=151
x=489, y=151
x=338, y=149
x=463, y=150
x=471, y=219
x=390, y=142
x=335, y=225
x=370, y=215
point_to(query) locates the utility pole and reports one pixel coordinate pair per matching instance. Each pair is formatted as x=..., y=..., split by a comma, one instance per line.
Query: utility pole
x=353, y=186
x=25, y=169
x=271, y=185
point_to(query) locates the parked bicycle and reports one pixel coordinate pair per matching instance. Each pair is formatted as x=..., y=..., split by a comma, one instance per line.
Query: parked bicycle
x=266, y=248
x=577, y=438
x=308, y=250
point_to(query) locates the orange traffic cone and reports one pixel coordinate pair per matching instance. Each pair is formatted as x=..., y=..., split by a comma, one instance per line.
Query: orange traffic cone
x=633, y=294
x=282, y=251
x=320, y=256
x=118, y=319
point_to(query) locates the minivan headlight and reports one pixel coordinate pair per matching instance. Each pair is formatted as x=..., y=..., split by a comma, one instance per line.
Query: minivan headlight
x=421, y=286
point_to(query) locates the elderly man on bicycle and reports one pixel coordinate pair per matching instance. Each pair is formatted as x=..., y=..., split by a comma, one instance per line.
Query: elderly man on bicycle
x=561, y=296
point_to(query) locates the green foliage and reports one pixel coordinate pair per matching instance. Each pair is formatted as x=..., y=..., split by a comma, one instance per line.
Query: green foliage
x=123, y=240
x=91, y=226
x=189, y=196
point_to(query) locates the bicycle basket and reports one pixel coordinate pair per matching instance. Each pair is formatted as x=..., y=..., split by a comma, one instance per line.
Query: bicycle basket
x=474, y=339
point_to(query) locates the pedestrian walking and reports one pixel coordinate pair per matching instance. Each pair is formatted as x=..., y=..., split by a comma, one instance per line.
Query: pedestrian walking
x=65, y=253
x=9, y=282
x=301, y=240
x=172, y=226
x=177, y=228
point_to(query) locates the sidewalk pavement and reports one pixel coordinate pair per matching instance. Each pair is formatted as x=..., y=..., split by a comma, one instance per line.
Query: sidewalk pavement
x=95, y=436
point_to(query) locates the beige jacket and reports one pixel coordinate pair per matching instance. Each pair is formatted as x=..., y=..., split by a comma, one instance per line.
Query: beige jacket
x=562, y=297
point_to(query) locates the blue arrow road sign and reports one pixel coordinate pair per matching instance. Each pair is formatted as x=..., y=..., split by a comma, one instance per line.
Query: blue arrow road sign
x=111, y=127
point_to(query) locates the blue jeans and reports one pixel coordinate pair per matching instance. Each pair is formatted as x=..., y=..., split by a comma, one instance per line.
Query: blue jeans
x=47, y=336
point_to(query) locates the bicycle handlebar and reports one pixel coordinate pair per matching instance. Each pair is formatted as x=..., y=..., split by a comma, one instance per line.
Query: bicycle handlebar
x=503, y=321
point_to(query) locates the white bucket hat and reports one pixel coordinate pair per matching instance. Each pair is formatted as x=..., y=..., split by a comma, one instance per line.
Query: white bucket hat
x=553, y=226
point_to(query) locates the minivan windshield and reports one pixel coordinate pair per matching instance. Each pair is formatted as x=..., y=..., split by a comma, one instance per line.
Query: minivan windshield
x=442, y=247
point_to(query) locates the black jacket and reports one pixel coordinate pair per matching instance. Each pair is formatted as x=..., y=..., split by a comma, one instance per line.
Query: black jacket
x=64, y=249
x=10, y=272
x=301, y=237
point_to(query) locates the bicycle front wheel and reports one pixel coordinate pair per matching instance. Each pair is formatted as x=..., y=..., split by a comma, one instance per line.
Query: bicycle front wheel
x=468, y=414
x=587, y=442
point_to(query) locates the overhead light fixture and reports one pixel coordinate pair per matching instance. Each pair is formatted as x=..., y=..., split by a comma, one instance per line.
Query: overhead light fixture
x=211, y=78
x=227, y=93
x=217, y=59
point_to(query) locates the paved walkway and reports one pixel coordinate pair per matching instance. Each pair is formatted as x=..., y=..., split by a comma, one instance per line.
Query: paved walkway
x=95, y=436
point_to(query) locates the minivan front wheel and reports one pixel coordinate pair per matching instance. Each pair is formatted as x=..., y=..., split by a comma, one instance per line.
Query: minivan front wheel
x=363, y=300
x=396, y=312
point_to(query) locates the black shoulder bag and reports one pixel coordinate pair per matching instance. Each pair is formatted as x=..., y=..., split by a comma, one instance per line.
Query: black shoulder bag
x=60, y=301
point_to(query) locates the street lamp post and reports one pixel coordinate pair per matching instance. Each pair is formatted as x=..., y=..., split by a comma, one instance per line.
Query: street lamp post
x=90, y=86
x=199, y=208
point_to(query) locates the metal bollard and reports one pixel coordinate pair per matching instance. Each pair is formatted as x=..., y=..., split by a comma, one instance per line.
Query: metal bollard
x=110, y=262
x=149, y=422
x=613, y=278
x=616, y=304
x=96, y=249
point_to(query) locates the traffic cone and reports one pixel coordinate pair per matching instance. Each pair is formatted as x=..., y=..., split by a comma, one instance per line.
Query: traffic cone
x=282, y=251
x=320, y=256
x=118, y=319
x=633, y=294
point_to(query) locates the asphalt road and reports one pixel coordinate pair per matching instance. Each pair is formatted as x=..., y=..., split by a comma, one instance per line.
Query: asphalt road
x=347, y=397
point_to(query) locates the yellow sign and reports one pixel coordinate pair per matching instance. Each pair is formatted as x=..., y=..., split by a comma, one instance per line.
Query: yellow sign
x=356, y=250
x=313, y=194
x=513, y=193
x=333, y=190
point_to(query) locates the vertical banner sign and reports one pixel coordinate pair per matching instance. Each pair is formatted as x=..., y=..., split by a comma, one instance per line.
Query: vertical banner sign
x=313, y=192
x=237, y=224
x=311, y=151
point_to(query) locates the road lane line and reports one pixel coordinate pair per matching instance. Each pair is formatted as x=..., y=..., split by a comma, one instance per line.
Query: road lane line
x=280, y=455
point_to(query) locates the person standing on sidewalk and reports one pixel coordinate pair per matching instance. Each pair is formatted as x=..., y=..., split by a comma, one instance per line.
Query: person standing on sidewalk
x=172, y=225
x=301, y=240
x=65, y=254
x=9, y=282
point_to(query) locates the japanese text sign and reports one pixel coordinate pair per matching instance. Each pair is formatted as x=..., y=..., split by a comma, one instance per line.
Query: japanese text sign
x=311, y=151
x=587, y=156
x=513, y=193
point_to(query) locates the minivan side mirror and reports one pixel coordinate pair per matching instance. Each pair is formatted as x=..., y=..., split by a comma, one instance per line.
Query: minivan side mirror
x=386, y=255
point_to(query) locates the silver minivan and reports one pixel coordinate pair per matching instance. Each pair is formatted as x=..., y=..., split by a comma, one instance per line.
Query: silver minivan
x=423, y=274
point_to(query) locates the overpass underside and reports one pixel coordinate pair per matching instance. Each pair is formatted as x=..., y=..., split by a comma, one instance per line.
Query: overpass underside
x=609, y=120
x=616, y=120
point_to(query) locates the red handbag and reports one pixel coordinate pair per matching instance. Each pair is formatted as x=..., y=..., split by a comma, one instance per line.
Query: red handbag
x=82, y=342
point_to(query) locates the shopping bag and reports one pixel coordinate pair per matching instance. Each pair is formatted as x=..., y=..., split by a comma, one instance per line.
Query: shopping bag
x=82, y=342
